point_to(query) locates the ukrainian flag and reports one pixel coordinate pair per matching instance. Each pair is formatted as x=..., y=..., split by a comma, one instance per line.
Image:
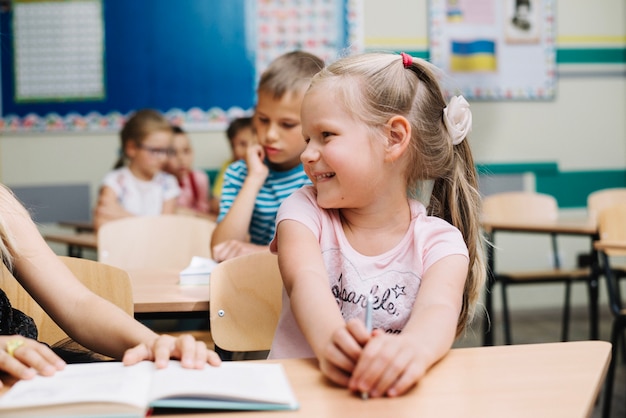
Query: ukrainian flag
x=454, y=15
x=473, y=56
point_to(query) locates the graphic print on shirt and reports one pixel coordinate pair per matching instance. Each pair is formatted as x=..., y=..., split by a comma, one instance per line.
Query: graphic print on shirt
x=394, y=291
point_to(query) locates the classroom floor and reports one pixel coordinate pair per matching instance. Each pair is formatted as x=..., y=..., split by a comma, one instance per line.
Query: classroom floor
x=539, y=326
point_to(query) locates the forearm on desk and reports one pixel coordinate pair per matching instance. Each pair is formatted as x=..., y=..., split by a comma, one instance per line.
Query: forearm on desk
x=236, y=223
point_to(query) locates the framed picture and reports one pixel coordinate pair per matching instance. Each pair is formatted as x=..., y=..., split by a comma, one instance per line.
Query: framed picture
x=522, y=21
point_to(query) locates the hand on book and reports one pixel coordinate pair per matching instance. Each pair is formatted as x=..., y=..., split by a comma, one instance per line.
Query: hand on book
x=191, y=353
x=23, y=358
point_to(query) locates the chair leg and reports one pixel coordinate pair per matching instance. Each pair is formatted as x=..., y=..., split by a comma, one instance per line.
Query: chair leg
x=610, y=375
x=506, y=320
x=488, y=318
x=566, y=312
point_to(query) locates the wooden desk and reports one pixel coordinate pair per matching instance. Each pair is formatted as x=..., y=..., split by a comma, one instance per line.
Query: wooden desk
x=75, y=242
x=576, y=227
x=157, y=294
x=79, y=226
x=539, y=380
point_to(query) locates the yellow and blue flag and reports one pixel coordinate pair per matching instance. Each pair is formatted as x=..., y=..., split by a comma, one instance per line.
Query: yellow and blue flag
x=473, y=56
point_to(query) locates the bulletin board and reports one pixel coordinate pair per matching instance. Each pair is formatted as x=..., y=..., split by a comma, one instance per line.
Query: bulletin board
x=495, y=49
x=197, y=61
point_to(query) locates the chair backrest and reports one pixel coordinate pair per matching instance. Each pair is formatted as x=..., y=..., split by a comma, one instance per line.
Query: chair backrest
x=612, y=226
x=107, y=281
x=520, y=207
x=163, y=242
x=246, y=300
x=602, y=199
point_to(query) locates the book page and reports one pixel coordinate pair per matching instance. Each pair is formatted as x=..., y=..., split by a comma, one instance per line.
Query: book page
x=94, y=382
x=235, y=381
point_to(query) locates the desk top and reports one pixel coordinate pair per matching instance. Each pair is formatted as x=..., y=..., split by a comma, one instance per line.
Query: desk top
x=79, y=226
x=156, y=291
x=562, y=226
x=78, y=239
x=537, y=380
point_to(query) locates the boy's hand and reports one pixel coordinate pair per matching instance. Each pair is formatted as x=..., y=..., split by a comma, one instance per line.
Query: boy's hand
x=255, y=157
x=234, y=248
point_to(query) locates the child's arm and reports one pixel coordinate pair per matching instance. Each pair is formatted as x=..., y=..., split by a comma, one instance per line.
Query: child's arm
x=169, y=206
x=313, y=305
x=108, y=207
x=391, y=364
x=236, y=223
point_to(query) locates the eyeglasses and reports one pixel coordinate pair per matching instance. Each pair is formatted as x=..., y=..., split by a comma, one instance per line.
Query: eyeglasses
x=157, y=152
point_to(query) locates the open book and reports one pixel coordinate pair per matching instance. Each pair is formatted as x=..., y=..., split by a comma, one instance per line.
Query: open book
x=198, y=271
x=111, y=389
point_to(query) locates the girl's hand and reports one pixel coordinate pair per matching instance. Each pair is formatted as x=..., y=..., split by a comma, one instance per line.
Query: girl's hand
x=343, y=351
x=389, y=365
x=191, y=353
x=23, y=358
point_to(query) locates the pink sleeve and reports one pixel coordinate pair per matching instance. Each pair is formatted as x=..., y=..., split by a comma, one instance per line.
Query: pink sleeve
x=440, y=239
x=202, y=182
x=300, y=206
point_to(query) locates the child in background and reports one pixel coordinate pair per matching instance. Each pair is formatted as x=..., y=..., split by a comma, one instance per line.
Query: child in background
x=379, y=137
x=137, y=186
x=194, y=184
x=253, y=189
x=240, y=134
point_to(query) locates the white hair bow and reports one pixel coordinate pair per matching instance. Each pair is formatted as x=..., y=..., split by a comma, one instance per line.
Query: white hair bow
x=458, y=119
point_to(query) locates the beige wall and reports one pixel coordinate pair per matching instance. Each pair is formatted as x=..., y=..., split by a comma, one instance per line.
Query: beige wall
x=583, y=128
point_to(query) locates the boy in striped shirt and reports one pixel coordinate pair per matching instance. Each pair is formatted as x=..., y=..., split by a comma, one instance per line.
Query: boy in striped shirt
x=255, y=187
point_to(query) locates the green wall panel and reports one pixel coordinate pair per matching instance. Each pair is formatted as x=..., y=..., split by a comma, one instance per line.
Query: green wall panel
x=571, y=188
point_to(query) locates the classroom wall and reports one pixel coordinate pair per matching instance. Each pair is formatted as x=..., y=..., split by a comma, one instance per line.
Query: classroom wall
x=583, y=130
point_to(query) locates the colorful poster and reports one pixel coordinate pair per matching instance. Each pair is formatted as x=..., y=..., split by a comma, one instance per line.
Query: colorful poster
x=495, y=50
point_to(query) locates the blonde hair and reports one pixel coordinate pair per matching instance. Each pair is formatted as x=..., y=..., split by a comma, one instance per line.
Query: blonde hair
x=289, y=73
x=7, y=245
x=141, y=124
x=375, y=87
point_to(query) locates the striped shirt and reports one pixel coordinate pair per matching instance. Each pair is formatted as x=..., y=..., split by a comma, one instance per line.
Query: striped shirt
x=277, y=187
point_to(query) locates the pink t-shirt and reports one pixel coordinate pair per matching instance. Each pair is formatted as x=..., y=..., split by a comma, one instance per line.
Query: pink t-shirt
x=186, y=198
x=393, y=278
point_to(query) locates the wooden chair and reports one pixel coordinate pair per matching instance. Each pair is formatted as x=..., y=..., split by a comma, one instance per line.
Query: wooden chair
x=161, y=242
x=107, y=281
x=246, y=300
x=527, y=207
x=611, y=246
x=603, y=199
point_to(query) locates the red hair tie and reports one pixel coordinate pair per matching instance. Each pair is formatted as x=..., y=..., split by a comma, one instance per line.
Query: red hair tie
x=407, y=60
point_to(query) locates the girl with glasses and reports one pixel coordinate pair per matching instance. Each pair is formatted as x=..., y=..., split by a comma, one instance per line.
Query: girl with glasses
x=137, y=185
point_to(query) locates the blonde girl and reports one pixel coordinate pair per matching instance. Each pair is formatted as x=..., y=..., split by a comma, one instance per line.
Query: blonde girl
x=380, y=136
x=138, y=186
